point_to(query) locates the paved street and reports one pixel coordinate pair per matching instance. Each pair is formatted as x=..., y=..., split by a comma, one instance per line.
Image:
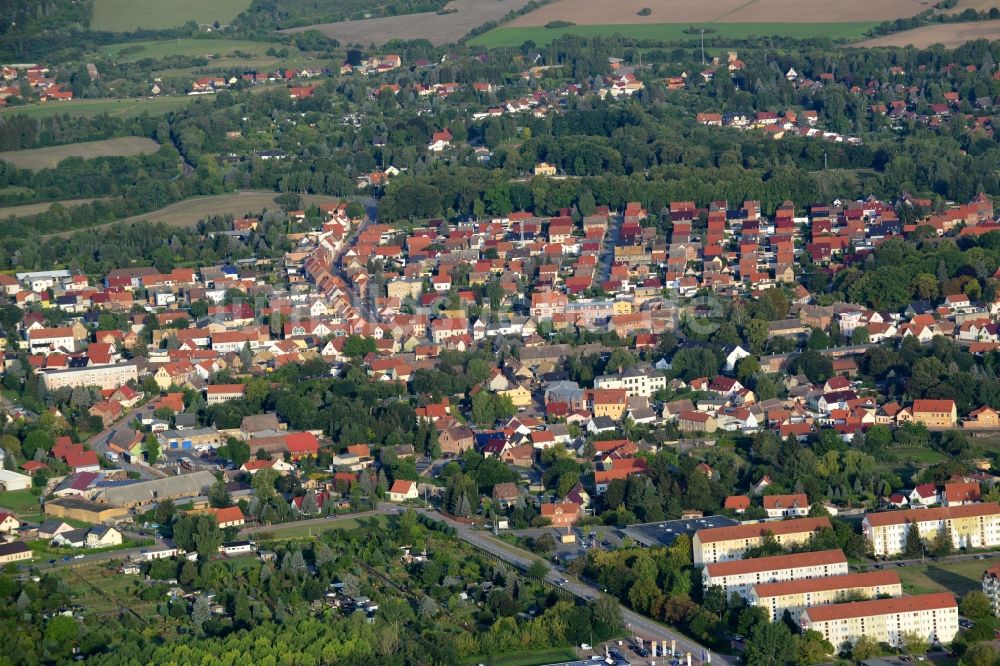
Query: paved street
x=637, y=625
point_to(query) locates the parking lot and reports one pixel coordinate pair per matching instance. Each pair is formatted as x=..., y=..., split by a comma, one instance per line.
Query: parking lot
x=666, y=532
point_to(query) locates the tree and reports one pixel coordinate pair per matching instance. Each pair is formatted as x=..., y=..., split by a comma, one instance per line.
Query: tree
x=218, y=495
x=914, y=642
x=814, y=365
x=980, y=654
x=770, y=644
x=813, y=648
x=235, y=451
x=860, y=335
x=153, y=450
x=866, y=648
x=976, y=605
x=199, y=533
x=537, y=569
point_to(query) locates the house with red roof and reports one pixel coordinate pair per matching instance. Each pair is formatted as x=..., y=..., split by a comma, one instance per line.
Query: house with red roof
x=403, y=490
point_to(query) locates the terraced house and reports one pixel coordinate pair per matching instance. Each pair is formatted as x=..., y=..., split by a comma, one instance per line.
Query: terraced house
x=795, y=596
x=970, y=525
x=719, y=544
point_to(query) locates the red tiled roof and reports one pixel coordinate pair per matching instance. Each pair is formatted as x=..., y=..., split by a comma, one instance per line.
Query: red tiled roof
x=793, y=561
x=826, y=583
x=755, y=530
x=230, y=514
x=940, y=513
x=920, y=602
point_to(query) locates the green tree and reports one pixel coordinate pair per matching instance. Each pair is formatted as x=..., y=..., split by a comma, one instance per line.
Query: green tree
x=218, y=495
x=153, y=450
x=537, y=569
x=914, y=642
x=770, y=644
x=980, y=654
x=976, y=605
x=865, y=648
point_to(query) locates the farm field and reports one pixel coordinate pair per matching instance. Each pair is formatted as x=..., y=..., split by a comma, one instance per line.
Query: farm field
x=599, y=12
x=948, y=34
x=957, y=577
x=436, y=28
x=185, y=47
x=515, y=36
x=87, y=108
x=44, y=158
x=125, y=15
x=36, y=208
x=187, y=213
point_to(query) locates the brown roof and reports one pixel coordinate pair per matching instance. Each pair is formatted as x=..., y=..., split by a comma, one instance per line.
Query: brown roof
x=785, y=501
x=756, y=530
x=940, y=513
x=793, y=561
x=933, y=405
x=844, y=582
x=881, y=607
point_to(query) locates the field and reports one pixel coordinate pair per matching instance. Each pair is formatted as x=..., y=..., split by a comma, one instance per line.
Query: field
x=948, y=34
x=184, y=47
x=36, y=208
x=187, y=213
x=45, y=158
x=507, y=37
x=436, y=28
x=19, y=501
x=87, y=108
x=957, y=577
x=601, y=12
x=125, y=15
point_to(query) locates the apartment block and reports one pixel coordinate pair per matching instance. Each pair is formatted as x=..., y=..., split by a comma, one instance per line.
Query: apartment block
x=636, y=382
x=795, y=596
x=971, y=526
x=932, y=616
x=103, y=376
x=719, y=544
x=991, y=587
x=740, y=576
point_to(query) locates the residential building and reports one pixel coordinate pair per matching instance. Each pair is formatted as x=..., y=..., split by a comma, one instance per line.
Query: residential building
x=222, y=392
x=230, y=516
x=934, y=617
x=15, y=551
x=563, y=514
x=9, y=524
x=719, y=544
x=786, y=506
x=795, y=596
x=991, y=588
x=102, y=376
x=739, y=576
x=935, y=413
x=970, y=525
x=403, y=490
x=102, y=536
x=636, y=382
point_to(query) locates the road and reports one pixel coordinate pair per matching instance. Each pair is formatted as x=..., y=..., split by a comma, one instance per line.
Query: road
x=361, y=302
x=607, y=256
x=637, y=625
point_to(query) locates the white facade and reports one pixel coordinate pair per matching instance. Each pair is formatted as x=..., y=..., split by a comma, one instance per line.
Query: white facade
x=738, y=577
x=934, y=617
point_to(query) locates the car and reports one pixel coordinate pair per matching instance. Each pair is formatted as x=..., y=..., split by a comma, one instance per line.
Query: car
x=561, y=581
x=52, y=561
x=904, y=658
x=878, y=566
x=78, y=557
x=585, y=646
x=965, y=624
x=67, y=558
x=921, y=657
x=738, y=638
x=900, y=564
x=615, y=654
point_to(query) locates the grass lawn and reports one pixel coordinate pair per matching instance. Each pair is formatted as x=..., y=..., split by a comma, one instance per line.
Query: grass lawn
x=297, y=531
x=527, y=658
x=501, y=37
x=87, y=108
x=42, y=547
x=125, y=15
x=185, y=47
x=957, y=577
x=19, y=501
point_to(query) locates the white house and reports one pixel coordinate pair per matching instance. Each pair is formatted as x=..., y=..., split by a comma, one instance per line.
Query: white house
x=403, y=490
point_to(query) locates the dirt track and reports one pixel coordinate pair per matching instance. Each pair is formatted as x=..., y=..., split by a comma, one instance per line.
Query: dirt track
x=601, y=12
x=436, y=28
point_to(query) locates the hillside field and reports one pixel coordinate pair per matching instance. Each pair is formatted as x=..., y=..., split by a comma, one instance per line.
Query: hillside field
x=123, y=108
x=44, y=158
x=125, y=15
x=515, y=36
x=189, y=212
x=460, y=17
x=948, y=34
x=27, y=210
x=186, y=47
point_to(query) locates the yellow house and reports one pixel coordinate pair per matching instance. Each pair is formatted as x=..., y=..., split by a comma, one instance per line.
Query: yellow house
x=621, y=307
x=520, y=396
x=607, y=402
x=795, y=596
x=935, y=413
x=545, y=169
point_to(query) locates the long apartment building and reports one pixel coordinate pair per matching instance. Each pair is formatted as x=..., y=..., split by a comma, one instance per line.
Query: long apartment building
x=971, y=526
x=740, y=576
x=795, y=596
x=102, y=376
x=931, y=616
x=720, y=544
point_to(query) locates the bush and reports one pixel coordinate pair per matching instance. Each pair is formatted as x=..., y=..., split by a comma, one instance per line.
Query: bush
x=645, y=11
x=559, y=24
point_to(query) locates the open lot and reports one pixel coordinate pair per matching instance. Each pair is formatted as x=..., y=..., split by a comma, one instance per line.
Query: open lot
x=87, y=108
x=958, y=577
x=125, y=15
x=19, y=501
x=600, y=12
x=36, y=208
x=185, y=47
x=515, y=36
x=461, y=16
x=947, y=34
x=45, y=158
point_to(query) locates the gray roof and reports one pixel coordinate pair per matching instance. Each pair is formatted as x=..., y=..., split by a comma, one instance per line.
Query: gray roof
x=185, y=485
